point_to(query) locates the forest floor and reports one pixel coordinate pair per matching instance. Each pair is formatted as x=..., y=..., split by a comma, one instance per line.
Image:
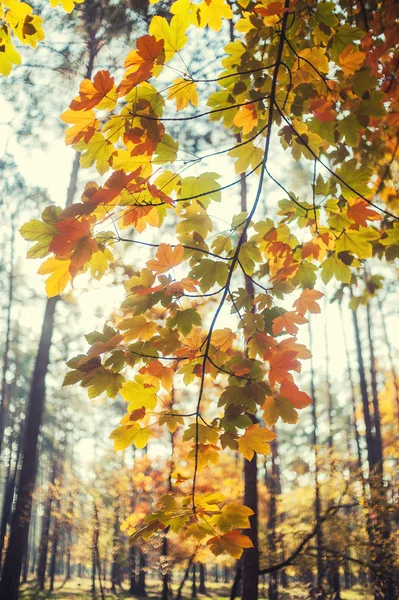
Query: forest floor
x=79, y=589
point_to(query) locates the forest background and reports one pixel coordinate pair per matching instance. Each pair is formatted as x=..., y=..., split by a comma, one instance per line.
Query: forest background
x=313, y=485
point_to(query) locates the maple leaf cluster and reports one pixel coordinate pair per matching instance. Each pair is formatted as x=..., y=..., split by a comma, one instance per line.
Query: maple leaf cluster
x=323, y=83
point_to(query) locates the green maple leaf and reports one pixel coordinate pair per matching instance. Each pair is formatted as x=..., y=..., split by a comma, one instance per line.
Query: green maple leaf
x=325, y=14
x=192, y=187
x=357, y=242
x=247, y=156
x=392, y=236
x=356, y=178
x=348, y=128
x=166, y=151
x=363, y=81
x=196, y=220
x=185, y=320
x=248, y=256
x=334, y=267
x=344, y=36
x=209, y=272
x=306, y=276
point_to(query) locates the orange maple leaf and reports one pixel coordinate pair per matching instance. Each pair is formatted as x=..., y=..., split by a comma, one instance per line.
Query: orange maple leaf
x=280, y=365
x=91, y=93
x=274, y=8
x=140, y=63
x=113, y=187
x=322, y=110
x=307, y=301
x=290, y=390
x=70, y=231
x=291, y=345
x=288, y=322
x=246, y=118
x=360, y=213
x=166, y=258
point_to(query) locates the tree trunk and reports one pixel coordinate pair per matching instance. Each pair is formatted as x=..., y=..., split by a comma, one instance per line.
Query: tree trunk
x=44, y=536
x=132, y=569
x=353, y=404
x=69, y=527
x=250, y=562
x=194, y=581
x=185, y=576
x=55, y=538
x=383, y=570
x=8, y=498
x=94, y=542
x=317, y=504
x=6, y=352
x=141, y=591
x=374, y=391
x=202, y=586
x=115, y=558
x=34, y=552
x=272, y=521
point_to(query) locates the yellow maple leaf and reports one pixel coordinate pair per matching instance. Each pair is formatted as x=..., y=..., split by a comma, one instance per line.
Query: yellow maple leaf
x=137, y=328
x=255, y=439
x=82, y=121
x=67, y=5
x=59, y=275
x=8, y=55
x=124, y=436
x=232, y=542
x=173, y=33
x=212, y=13
x=184, y=92
x=317, y=57
x=98, y=150
x=351, y=60
x=138, y=395
x=246, y=118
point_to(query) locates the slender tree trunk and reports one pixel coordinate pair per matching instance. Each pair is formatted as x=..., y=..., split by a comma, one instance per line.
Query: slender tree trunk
x=8, y=497
x=97, y=557
x=115, y=558
x=34, y=551
x=236, y=583
x=132, y=569
x=194, y=581
x=69, y=527
x=94, y=542
x=353, y=404
x=383, y=570
x=185, y=577
x=6, y=352
x=202, y=586
x=25, y=564
x=271, y=482
x=250, y=562
x=44, y=537
x=141, y=591
x=55, y=536
x=374, y=391
x=165, y=567
x=317, y=504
